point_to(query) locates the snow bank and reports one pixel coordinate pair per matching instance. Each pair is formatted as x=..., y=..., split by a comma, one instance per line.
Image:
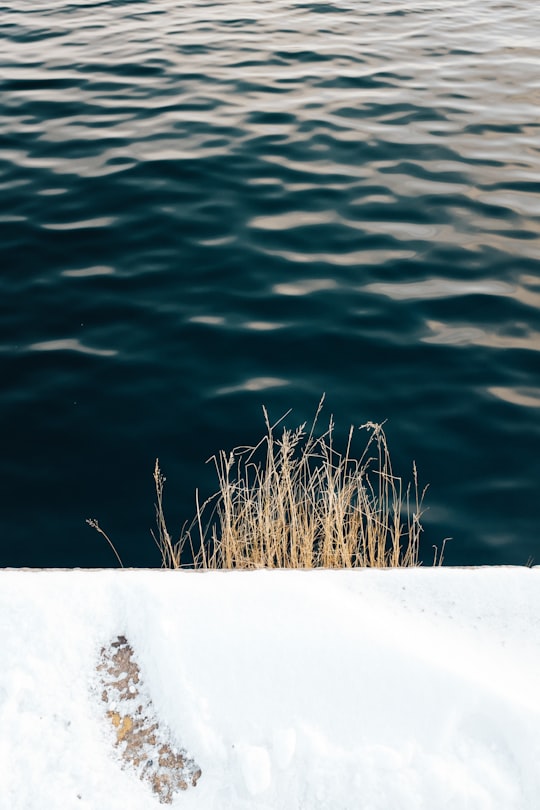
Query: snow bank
x=414, y=689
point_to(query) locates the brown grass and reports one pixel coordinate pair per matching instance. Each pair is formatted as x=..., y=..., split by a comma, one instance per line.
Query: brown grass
x=295, y=501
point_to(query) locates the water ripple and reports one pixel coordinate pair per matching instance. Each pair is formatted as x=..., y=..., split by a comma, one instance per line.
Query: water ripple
x=221, y=203
x=70, y=345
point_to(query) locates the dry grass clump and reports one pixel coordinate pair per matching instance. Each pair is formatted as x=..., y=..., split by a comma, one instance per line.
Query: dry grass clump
x=295, y=501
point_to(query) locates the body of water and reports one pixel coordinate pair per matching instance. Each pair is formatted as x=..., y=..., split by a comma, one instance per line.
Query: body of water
x=210, y=206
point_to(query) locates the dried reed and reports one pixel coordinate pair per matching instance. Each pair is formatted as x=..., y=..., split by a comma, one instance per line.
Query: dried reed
x=295, y=501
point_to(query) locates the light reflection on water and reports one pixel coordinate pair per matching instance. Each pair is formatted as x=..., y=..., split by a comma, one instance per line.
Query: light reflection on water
x=216, y=205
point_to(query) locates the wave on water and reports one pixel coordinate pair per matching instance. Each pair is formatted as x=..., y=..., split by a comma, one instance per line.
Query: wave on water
x=210, y=206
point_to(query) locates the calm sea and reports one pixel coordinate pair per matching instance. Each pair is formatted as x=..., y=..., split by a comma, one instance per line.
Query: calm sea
x=207, y=207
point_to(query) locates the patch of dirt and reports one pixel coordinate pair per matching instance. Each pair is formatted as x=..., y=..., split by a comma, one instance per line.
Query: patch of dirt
x=141, y=741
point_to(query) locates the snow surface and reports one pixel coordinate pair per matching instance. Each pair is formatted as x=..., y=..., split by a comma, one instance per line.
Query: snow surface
x=412, y=689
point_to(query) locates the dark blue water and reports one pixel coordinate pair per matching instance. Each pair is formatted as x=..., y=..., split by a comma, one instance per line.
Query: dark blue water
x=210, y=206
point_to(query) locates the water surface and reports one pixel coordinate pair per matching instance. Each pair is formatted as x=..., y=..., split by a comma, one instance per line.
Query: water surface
x=210, y=206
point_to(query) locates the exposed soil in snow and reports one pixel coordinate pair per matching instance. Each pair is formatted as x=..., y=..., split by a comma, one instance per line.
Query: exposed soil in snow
x=142, y=742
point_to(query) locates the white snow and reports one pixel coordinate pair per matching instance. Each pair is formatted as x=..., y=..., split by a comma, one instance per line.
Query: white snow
x=412, y=689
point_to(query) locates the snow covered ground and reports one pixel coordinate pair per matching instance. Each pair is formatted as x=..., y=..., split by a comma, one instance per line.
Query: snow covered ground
x=415, y=689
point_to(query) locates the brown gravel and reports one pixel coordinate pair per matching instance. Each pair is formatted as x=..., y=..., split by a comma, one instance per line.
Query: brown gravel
x=141, y=741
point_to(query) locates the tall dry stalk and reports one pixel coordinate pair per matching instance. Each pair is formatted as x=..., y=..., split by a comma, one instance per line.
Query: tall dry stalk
x=294, y=501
